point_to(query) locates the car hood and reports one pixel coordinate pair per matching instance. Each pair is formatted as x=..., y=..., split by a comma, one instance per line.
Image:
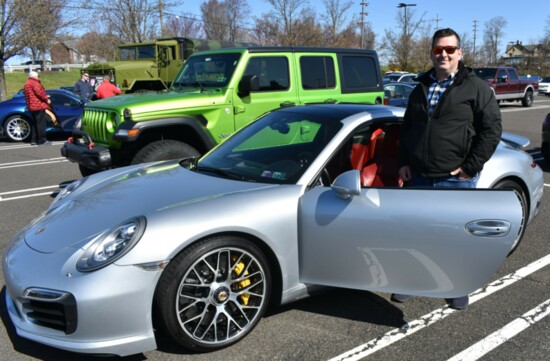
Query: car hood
x=140, y=191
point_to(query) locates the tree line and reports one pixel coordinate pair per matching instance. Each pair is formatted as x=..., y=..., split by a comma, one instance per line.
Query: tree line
x=31, y=27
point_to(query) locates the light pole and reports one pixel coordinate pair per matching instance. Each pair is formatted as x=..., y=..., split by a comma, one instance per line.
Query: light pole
x=403, y=5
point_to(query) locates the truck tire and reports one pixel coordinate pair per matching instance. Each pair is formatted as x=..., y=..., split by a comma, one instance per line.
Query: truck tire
x=527, y=100
x=164, y=150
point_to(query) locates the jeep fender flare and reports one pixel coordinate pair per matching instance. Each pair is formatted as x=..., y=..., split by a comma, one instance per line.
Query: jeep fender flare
x=197, y=125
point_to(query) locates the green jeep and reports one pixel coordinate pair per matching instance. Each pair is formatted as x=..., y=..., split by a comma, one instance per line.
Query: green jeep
x=214, y=94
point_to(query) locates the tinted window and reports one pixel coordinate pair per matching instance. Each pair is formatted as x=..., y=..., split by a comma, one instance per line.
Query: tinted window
x=272, y=72
x=359, y=73
x=317, y=72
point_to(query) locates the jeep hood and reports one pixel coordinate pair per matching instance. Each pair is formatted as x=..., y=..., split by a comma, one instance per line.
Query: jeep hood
x=141, y=191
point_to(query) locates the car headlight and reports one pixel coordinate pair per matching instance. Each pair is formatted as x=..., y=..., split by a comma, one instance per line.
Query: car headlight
x=112, y=245
x=68, y=190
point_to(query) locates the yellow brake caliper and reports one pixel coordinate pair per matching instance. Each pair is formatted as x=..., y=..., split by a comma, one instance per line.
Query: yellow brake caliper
x=238, y=269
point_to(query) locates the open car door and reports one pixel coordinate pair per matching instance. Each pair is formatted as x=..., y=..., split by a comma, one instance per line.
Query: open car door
x=425, y=242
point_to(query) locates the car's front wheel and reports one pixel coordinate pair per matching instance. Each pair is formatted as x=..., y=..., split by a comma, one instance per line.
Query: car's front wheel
x=527, y=100
x=213, y=293
x=510, y=184
x=17, y=128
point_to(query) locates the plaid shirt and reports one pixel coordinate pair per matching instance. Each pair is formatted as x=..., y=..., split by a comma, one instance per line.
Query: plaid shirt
x=437, y=89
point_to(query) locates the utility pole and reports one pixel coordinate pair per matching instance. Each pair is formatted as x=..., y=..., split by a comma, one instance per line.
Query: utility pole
x=363, y=14
x=161, y=17
x=403, y=5
x=437, y=20
x=475, y=32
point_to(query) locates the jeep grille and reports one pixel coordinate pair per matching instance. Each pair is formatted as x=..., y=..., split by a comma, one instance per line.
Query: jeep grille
x=97, y=123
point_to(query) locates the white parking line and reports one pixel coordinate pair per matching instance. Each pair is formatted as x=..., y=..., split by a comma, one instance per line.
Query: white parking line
x=3, y=199
x=498, y=337
x=33, y=162
x=26, y=145
x=412, y=327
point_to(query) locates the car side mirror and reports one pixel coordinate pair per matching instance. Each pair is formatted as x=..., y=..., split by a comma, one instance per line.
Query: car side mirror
x=248, y=84
x=347, y=184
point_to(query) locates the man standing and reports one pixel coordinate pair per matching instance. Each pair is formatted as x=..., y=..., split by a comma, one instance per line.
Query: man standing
x=37, y=102
x=451, y=127
x=83, y=88
x=106, y=88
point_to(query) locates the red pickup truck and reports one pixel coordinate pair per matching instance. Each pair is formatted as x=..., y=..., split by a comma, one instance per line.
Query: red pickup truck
x=507, y=85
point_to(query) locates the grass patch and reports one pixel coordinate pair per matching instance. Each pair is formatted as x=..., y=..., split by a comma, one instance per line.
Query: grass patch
x=50, y=80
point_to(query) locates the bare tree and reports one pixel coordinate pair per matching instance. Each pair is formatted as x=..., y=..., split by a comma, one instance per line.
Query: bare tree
x=12, y=41
x=214, y=19
x=399, y=46
x=236, y=13
x=334, y=20
x=287, y=12
x=308, y=32
x=186, y=26
x=492, y=36
x=94, y=45
x=265, y=31
x=132, y=21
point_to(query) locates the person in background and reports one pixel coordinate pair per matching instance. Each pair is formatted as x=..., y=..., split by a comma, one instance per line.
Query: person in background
x=106, y=88
x=451, y=127
x=83, y=88
x=37, y=102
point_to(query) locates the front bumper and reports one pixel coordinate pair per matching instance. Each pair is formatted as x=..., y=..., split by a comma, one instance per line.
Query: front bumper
x=112, y=307
x=80, y=149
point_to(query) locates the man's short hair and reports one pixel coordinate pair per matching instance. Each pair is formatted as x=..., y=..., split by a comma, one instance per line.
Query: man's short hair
x=443, y=33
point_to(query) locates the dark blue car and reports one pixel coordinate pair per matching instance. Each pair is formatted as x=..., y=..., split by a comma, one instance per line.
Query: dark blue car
x=15, y=117
x=397, y=93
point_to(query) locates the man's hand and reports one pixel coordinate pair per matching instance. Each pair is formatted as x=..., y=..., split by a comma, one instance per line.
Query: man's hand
x=460, y=174
x=405, y=173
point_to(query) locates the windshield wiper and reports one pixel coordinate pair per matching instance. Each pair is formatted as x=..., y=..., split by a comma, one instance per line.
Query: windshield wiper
x=222, y=172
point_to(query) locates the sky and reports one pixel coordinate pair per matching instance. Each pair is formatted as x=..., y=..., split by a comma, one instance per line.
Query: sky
x=527, y=19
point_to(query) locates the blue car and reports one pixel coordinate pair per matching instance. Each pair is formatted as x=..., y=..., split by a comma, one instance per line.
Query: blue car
x=397, y=93
x=15, y=117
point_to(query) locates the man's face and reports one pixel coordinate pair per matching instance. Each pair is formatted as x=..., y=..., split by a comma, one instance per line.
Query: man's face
x=445, y=63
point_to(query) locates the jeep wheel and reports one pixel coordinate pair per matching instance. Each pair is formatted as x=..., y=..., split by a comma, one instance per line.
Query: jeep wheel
x=527, y=100
x=164, y=150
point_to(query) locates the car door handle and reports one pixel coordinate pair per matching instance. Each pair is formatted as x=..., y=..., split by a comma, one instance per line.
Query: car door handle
x=489, y=228
x=287, y=104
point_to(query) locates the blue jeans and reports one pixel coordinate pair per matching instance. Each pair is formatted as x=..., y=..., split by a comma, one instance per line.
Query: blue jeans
x=450, y=181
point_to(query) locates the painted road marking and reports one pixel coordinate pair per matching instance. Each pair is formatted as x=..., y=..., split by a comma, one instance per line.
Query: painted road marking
x=412, y=327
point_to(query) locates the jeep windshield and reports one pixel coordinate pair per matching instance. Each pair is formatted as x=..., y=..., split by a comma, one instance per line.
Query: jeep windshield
x=207, y=71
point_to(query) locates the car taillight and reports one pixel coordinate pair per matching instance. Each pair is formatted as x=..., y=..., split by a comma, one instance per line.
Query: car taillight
x=386, y=101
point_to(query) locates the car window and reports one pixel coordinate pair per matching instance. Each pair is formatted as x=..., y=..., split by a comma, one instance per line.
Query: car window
x=358, y=73
x=272, y=72
x=62, y=100
x=317, y=72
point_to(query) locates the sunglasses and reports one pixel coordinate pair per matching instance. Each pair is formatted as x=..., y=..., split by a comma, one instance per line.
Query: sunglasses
x=448, y=49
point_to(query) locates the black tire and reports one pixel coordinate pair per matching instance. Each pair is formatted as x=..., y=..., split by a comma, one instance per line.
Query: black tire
x=545, y=150
x=164, y=150
x=209, y=281
x=17, y=128
x=509, y=184
x=527, y=100
x=85, y=171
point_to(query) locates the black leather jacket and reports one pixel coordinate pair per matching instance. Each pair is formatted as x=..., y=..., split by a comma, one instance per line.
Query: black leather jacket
x=463, y=130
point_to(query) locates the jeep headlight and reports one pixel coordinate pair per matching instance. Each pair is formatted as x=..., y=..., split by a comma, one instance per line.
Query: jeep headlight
x=112, y=245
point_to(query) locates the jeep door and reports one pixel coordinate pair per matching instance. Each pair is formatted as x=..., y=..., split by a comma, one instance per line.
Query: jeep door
x=425, y=242
x=274, y=74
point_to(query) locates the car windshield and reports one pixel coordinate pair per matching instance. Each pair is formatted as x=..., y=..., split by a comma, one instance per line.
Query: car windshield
x=486, y=73
x=278, y=148
x=207, y=71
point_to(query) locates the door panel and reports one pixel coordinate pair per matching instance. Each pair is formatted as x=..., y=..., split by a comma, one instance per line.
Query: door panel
x=412, y=241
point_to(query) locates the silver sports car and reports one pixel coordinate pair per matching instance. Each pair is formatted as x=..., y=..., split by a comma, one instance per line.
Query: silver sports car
x=303, y=198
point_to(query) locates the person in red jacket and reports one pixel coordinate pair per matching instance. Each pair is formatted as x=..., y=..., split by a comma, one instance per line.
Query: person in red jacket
x=37, y=102
x=106, y=88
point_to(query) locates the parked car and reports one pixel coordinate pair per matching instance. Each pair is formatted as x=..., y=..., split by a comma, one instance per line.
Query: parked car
x=15, y=117
x=507, y=85
x=399, y=77
x=544, y=85
x=305, y=197
x=397, y=94
x=545, y=145
x=38, y=65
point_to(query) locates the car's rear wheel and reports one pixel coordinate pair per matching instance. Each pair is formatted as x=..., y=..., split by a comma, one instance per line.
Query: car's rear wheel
x=17, y=128
x=164, y=150
x=214, y=293
x=527, y=100
x=510, y=184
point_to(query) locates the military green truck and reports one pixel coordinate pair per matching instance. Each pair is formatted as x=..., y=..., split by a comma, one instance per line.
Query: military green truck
x=216, y=93
x=151, y=65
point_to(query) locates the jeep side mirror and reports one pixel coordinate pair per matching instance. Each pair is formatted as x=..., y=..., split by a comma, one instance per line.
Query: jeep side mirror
x=248, y=84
